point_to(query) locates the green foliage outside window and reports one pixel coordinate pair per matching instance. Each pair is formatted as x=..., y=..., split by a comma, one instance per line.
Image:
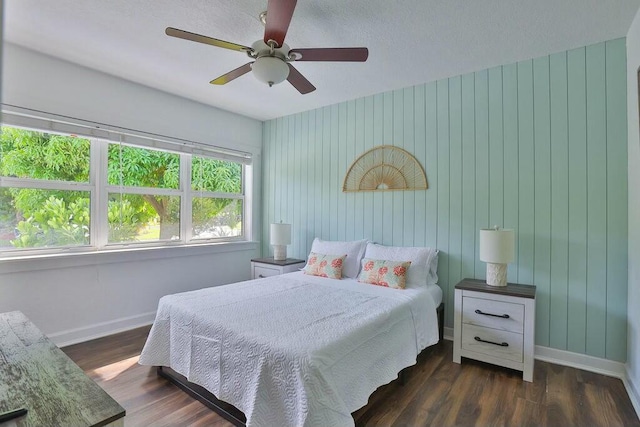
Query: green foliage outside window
x=36, y=218
x=30, y=154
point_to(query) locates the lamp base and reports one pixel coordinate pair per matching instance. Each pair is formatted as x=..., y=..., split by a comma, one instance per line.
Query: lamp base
x=496, y=274
x=279, y=252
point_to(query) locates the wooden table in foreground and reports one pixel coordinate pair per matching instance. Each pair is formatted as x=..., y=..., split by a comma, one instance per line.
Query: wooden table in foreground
x=35, y=374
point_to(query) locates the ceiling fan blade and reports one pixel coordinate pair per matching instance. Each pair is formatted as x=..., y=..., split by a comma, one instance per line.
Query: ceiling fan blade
x=354, y=54
x=298, y=81
x=231, y=75
x=279, y=13
x=181, y=34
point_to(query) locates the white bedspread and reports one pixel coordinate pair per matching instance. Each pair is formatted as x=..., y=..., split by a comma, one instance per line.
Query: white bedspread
x=292, y=350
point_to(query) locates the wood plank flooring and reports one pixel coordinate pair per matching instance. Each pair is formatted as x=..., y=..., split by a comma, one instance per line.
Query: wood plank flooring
x=437, y=392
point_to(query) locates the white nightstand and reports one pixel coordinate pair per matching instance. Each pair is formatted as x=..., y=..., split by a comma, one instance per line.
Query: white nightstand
x=495, y=324
x=265, y=267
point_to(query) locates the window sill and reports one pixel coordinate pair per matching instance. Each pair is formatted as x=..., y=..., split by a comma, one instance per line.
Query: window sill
x=111, y=256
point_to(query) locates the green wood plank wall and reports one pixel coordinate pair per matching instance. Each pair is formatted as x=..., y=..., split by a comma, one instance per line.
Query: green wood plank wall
x=578, y=181
x=538, y=146
x=616, y=200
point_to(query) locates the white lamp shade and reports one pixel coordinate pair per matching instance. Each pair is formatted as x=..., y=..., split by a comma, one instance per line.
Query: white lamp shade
x=497, y=246
x=280, y=234
x=270, y=70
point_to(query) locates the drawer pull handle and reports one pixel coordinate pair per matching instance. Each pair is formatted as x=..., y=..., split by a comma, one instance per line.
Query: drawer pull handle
x=502, y=316
x=501, y=344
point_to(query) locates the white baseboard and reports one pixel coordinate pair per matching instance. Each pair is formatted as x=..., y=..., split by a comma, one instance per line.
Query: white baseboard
x=99, y=330
x=633, y=391
x=581, y=361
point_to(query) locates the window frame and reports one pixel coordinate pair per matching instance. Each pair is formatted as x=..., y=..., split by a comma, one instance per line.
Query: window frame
x=212, y=195
x=100, y=138
x=105, y=189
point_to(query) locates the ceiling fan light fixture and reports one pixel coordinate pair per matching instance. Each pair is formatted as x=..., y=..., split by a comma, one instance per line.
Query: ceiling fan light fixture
x=270, y=70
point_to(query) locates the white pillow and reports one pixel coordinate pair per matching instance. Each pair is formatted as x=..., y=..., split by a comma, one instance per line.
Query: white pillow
x=354, y=251
x=424, y=261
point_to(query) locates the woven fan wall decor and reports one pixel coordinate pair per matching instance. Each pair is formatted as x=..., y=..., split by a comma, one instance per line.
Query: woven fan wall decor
x=385, y=168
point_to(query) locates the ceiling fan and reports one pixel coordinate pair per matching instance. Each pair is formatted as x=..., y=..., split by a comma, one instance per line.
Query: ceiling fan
x=271, y=56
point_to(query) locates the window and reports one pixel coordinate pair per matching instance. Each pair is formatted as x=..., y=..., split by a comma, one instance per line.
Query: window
x=216, y=207
x=64, y=191
x=144, y=194
x=45, y=193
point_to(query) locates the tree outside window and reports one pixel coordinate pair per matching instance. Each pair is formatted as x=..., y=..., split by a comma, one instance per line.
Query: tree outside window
x=46, y=197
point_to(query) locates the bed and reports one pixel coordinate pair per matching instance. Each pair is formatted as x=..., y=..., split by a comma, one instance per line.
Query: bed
x=295, y=349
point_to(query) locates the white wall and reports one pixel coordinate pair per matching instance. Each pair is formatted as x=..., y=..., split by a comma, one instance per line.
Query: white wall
x=33, y=80
x=76, y=297
x=79, y=297
x=633, y=339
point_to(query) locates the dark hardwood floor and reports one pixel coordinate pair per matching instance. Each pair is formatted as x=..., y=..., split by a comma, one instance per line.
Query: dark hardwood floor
x=437, y=392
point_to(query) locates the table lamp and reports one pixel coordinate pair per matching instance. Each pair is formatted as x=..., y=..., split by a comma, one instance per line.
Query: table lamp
x=280, y=237
x=497, y=247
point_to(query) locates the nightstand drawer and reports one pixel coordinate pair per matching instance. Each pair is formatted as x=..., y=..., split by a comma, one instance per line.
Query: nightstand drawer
x=492, y=342
x=501, y=315
x=267, y=267
x=260, y=272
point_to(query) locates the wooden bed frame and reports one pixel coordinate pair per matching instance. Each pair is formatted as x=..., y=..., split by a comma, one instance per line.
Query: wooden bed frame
x=230, y=412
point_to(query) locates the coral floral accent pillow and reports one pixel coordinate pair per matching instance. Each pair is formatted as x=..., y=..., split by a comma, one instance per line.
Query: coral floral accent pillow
x=392, y=274
x=324, y=265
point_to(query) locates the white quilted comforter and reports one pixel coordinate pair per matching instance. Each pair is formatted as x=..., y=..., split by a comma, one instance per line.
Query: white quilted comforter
x=292, y=350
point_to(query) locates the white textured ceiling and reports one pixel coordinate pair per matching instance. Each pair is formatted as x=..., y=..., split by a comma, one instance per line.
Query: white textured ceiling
x=410, y=42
